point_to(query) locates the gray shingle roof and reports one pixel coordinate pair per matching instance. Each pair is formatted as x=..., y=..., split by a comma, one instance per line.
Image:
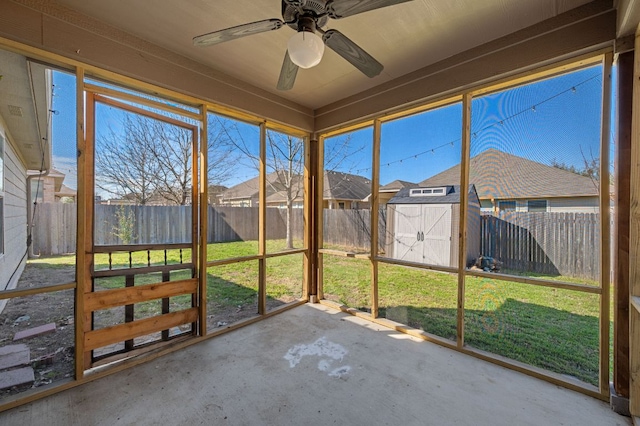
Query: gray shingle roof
x=345, y=186
x=337, y=185
x=397, y=184
x=499, y=175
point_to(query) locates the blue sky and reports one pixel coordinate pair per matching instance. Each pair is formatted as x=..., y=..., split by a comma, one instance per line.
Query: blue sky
x=554, y=119
x=544, y=121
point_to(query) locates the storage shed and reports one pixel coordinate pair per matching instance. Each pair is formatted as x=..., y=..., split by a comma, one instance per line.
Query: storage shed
x=423, y=223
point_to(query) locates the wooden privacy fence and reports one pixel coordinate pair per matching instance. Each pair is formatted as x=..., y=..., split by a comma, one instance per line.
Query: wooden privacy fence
x=351, y=229
x=54, y=229
x=547, y=243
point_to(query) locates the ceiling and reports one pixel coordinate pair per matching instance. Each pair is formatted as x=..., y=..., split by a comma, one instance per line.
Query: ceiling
x=404, y=37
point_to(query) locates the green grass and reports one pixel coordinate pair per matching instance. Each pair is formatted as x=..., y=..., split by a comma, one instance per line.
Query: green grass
x=549, y=328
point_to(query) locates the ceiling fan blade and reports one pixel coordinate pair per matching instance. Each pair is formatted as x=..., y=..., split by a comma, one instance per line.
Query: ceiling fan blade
x=342, y=8
x=237, y=32
x=353, y=53
x=287, y=73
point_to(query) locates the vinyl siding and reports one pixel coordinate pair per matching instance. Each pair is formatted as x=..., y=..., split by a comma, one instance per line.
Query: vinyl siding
x=573, y=205
x=554, y=205
x=15, y=215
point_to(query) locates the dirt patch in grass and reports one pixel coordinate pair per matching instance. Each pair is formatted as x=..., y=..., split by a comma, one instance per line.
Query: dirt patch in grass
x=51, y=354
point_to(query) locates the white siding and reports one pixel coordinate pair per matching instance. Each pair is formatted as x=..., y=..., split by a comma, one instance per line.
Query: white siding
x=573, y=205
x=15, y=215
x=554, y=205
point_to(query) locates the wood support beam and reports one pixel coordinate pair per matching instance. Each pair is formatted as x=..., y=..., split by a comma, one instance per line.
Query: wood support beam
x=605, y=226
x=464, y=203
x=374, y=206
x=311, y=219
x=204, y=221
x=621, y=251
x=87, y=158
x=319, y=212
x=82, y=278
x=262, y=223
x=634, y=241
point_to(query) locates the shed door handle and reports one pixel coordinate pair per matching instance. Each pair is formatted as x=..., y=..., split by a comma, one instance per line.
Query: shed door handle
x=422, y=236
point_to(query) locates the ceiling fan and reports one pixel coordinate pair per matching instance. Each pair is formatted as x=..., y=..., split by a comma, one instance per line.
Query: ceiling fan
x=305, y=48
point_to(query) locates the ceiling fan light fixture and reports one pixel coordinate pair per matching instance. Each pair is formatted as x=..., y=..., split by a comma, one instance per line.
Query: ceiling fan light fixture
x=305, y=49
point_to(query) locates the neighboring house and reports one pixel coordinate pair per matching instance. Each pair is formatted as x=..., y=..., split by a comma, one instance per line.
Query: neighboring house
x=506, y=182
x=24, y=128
x=345, y=191
x=245, y=194
x=214, y=193
x=388, y=191
x=50, y=189
x=341, y=191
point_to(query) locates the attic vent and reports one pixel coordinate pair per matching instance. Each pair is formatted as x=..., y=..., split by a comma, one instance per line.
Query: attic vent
x=426, y=192
x=15, y=110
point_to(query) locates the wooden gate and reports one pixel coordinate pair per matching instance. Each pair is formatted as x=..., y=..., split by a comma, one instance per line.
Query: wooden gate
x=140, y=295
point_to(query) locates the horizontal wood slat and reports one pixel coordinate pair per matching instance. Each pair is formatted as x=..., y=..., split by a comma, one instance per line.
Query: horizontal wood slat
x=141, y=270
x=139, y=247
x=131, y=295
x=119, y=333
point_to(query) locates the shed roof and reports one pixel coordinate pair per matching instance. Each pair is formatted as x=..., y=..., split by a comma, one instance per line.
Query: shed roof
x=452, y=196
x=497, y=174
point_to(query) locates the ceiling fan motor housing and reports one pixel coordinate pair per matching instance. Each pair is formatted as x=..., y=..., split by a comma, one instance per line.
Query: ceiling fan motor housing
x=312, y=9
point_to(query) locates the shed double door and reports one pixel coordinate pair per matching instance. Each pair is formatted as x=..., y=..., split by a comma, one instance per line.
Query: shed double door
x=423, y=233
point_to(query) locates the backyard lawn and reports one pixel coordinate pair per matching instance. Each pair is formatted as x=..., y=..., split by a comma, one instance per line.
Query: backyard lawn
x=544, y=327
x=554, y=329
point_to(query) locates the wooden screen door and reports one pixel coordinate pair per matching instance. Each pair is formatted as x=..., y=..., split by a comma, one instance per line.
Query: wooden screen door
x=140, y=225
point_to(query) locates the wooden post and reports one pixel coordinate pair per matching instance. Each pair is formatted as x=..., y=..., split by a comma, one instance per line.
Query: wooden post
x=634, y=243
x=81, y=276
x=464, y=207
x=262, y=222
x=89, y=203
x=320, y=216
x=195, y=228
x=621, y=261
x=166, y=305
x=374, y=206
x=310, y=289
x=129, y=313
x=605, y=227
x=204, y=221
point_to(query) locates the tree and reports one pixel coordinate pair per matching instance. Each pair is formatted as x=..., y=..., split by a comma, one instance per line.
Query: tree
x=143, y=159
x=590, y=169
x=125, y=162
x=285, y=165
x=286, y=160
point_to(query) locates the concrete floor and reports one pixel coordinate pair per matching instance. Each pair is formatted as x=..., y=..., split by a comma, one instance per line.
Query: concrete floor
x=315, y=366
